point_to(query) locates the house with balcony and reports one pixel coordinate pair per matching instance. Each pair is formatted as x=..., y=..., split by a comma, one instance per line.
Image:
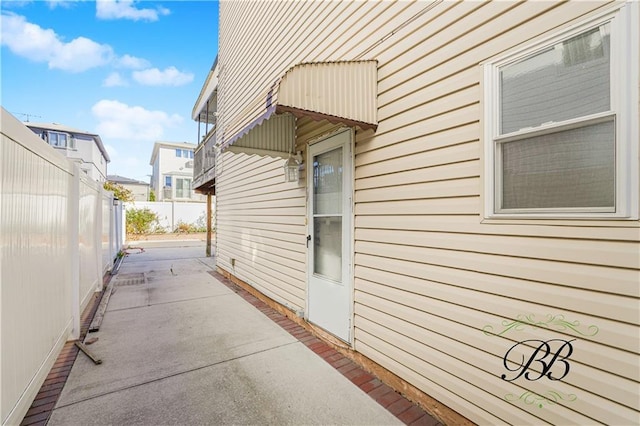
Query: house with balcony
x=172, y=171
x=447, y=191
x=80, y=146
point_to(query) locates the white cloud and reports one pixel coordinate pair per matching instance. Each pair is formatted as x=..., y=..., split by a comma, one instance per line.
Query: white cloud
x=115, y=80
x=125, y=9
x=169, y=77
x=44, y=45
x=128, y=61
x=61, y=3
x=16, y=4
x=132, y=123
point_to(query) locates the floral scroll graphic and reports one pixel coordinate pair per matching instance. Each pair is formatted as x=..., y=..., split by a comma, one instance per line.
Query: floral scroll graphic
x=544, y=360
x=551, y=322
x=550, y=397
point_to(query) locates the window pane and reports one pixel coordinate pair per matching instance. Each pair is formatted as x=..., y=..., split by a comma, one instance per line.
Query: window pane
x=179, y=188
x=167, y=181
x=183, y=188
x=568, y=80
x=327, y=247
x=327, y=182
x=571, y=168
x=178, y=152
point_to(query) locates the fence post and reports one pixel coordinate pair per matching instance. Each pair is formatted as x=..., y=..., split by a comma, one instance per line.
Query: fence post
x=98, y=228
x=173, y=216
x=112, y=234
x=124, y=224
x=74, y=248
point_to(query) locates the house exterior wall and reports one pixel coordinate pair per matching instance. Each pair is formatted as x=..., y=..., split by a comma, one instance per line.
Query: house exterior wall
x=86, y=152
x=260, y=222
x=155, y=178
x=439, y=290
x=92, y=161
x=260, y=225
x=166, y=163
x=140, y=191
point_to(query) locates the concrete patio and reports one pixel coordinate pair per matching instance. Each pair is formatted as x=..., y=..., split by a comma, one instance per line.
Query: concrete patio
x=179, y=347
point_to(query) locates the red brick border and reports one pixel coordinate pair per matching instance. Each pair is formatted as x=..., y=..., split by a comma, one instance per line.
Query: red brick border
x=47, y=397
x=405, y=410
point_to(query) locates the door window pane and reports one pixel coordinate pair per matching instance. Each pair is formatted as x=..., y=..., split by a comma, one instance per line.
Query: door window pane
x=327, y=182
x=327, y=247
x=572, y=168
x=183, y=188
x=568, y=80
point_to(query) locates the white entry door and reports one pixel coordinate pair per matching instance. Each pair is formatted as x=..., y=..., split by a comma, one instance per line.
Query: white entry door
x=329, y=240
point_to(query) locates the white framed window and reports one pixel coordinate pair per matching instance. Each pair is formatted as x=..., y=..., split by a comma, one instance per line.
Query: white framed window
x=58, y=139
x=561, y=124
x=183, y=188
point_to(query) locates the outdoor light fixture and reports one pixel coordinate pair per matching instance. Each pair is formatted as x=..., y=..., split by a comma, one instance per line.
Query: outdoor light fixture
x=292, y=168
x=292, y=165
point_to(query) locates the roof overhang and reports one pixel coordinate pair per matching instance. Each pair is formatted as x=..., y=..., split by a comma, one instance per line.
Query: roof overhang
x=339, y=92
x=206, y=106
x=70, y=130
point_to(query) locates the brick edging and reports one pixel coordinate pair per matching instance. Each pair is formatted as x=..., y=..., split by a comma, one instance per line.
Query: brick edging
x=47, y=397
x=405, y=410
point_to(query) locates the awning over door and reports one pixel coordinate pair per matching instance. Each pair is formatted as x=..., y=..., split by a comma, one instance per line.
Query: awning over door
x=340, y=92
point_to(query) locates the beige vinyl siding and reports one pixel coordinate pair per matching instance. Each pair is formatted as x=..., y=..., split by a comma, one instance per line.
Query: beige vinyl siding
x=260, y=224
x=280, y=48
x=430, y=273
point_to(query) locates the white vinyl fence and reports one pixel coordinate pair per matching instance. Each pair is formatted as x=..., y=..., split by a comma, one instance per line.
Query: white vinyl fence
x=172, y=213
x=58, y=237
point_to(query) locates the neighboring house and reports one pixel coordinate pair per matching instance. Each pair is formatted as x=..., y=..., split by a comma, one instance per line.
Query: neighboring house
x=172, y=173
x=466, y=215
x=78, y=145
x=138, y=188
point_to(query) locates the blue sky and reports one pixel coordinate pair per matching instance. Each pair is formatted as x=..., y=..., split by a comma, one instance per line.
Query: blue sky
x=127, y=70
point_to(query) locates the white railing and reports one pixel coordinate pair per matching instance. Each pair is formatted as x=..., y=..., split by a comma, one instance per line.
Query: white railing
x=58, y=236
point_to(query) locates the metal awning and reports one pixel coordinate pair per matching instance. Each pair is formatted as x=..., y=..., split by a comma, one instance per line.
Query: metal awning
x=340, y=92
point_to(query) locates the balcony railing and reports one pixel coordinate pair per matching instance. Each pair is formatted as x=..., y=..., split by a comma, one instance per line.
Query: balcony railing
x=204, y=161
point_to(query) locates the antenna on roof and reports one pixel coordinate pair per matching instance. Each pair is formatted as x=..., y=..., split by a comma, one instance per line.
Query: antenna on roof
x=26, y=115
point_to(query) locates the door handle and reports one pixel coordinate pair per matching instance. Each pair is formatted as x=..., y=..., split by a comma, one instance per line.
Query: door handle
x=308, y=239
